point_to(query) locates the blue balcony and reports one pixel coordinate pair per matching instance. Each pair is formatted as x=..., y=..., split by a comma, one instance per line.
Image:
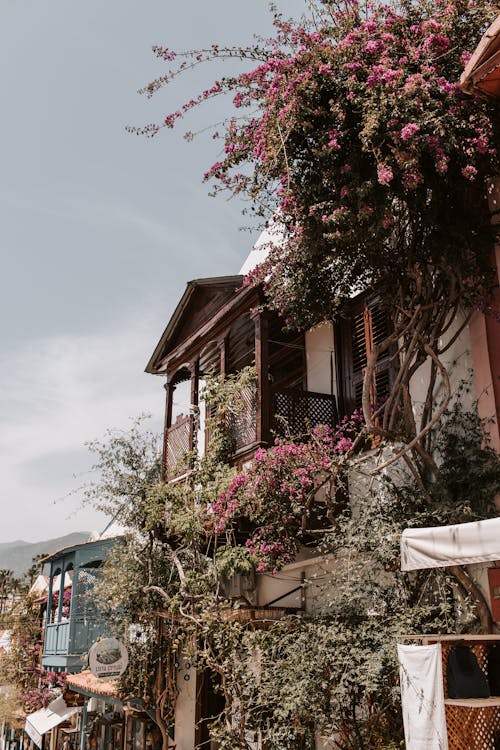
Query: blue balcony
x=73, y=620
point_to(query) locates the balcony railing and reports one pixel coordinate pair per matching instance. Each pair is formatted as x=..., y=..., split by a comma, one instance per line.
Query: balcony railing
x=56, y=638
x=295, y=412
x=243, y=423
x=84, y=632
x=177, y=446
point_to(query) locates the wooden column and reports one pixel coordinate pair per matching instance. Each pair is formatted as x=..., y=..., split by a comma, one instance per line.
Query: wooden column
x=223, y=347
x=62, y=577
x=168, y=421
x=83, y=725
x=263, y=408
x=195, y=372
x=48, y=613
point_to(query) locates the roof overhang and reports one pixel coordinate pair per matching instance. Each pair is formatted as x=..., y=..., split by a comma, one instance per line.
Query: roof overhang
x=89, y=685
x=164, y=343
x=482, y=72
x=107, y=541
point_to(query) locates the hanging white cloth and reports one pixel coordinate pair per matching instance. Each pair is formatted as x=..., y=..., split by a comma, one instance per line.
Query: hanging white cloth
x=42, y=721
x=422, y=697
x=460, y=544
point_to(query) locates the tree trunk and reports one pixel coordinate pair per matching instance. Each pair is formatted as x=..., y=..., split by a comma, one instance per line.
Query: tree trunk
x=163, y=729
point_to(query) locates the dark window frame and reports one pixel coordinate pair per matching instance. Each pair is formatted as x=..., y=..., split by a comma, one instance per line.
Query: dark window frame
x=364, y=323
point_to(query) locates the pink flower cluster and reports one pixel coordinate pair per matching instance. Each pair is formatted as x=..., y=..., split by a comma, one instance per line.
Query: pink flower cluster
x=408, y=131
x=48, y=685
x=277, y=490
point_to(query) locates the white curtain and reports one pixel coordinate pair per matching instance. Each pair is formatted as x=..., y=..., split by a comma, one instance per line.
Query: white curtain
x=422, y=697
x=461, y=544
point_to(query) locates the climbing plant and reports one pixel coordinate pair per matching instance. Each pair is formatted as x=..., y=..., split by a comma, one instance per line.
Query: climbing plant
x=333, y=673
x=31, y=686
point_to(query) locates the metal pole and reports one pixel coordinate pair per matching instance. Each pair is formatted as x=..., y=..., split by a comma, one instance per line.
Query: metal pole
x=83, y=725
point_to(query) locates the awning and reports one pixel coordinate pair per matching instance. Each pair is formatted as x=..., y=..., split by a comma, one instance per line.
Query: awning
x=89, y=684
x=460, y=544
x=45, y=719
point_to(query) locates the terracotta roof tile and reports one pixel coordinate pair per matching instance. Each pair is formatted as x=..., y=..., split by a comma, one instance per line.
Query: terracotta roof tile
x=91, y=684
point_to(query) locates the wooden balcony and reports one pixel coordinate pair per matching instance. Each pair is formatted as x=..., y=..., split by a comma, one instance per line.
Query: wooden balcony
x=255, y=618
x=73, y=636
x=73, y=626
x=294, y=413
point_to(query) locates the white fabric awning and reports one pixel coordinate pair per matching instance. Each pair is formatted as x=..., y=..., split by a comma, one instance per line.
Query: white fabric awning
x=441, y=546
x=42, y=721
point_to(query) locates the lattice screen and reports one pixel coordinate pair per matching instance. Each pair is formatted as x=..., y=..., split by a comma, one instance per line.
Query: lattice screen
x=242, y=424
x=177, y=446
x=294, y=412
x=472, y=728
x=87, y=578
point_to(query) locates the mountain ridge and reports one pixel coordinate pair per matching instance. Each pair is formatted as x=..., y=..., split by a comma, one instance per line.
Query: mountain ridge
x=18, y=555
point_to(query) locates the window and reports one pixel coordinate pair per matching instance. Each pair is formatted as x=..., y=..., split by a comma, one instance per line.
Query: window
x=366, y=326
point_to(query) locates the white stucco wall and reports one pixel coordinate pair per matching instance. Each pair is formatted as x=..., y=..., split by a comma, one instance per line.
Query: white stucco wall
x=309, y=572
x=458, y=362
x=185, y=709
x=320, y=348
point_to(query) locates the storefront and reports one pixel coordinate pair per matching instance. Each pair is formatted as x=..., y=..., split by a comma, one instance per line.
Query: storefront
x=108, y=722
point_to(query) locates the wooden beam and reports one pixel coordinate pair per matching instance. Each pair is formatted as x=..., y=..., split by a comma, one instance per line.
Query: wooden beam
x=223, y=348
x=168, y=421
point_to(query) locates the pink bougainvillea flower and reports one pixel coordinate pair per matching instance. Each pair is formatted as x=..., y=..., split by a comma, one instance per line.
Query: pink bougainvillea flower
x=384, y=174
x=409, y=130
x=469, y=172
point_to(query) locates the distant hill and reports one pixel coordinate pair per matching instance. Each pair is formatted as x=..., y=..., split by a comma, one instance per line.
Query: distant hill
x=17, y=556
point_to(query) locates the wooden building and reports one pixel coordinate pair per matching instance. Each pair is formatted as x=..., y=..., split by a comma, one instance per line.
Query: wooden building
x=302, y=379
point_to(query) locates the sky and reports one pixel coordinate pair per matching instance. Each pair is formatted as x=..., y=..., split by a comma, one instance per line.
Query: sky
x=99, y=230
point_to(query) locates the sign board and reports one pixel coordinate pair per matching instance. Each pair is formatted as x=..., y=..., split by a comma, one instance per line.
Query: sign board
x=108, y=658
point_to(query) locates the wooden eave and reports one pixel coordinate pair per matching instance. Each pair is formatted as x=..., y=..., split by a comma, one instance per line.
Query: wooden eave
x=164, y=345
x=165, y=361
x=482, y=72
x=63, y=551
x=75, y=547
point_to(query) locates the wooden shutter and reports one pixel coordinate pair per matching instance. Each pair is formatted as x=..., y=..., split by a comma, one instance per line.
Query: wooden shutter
x=367, y=326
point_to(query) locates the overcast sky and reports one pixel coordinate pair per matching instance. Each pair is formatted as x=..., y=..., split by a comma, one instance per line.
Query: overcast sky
x=99, y=229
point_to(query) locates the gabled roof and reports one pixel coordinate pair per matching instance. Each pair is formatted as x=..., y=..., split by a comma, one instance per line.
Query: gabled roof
x=482, y=72
x=202, y=298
